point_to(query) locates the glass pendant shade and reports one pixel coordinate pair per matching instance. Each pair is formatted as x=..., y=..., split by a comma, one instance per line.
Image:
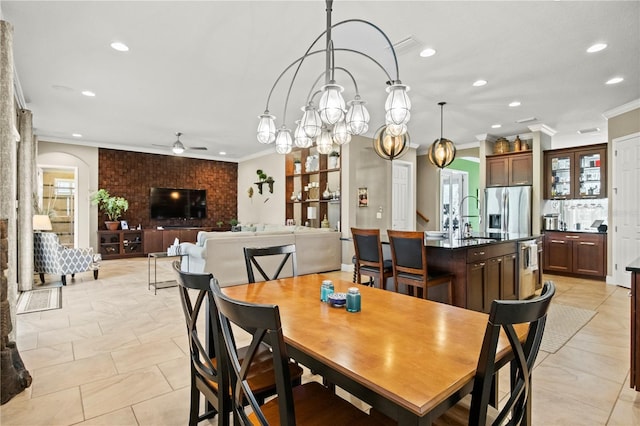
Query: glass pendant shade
x=331, y=106
x=396, y=129
x=324, y=143
x=398, y=105
x=388, y=146
x=266, y=128
x=300, y=138
x=357, y=117
x=442, y=152
x=310, y=122
x=283, y=141
x=341, y=135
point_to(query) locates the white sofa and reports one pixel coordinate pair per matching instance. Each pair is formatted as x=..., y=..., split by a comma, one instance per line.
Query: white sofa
x=221, y=253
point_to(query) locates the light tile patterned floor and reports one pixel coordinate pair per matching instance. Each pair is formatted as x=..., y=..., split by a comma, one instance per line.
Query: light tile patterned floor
x=115, y=354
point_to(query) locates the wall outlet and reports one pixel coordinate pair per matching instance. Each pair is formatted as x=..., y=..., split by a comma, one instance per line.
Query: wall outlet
x=379, y=215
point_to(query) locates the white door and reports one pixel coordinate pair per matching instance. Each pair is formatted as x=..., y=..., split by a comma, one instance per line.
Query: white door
x=625, y=206
x=402, y=204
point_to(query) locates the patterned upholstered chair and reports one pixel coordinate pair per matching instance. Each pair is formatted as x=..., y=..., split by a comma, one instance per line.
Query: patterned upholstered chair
x=51, y=257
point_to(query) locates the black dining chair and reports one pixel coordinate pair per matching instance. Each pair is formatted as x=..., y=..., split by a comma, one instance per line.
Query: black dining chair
x=517, y=408
x=369, y=259
x=409, y=260
x=209, y=367
x=269, y=260
x=307, y=404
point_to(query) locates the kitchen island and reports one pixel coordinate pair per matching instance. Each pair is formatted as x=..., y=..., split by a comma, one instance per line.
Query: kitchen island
x=486, y=267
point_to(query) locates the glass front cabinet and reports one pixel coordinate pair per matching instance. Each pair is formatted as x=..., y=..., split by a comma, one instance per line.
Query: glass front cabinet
x=576, y=173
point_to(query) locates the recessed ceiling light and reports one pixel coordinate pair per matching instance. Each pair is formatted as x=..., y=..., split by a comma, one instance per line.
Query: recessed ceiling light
x=76, y=135
x=597, y=47
x=590, y=130
x=88, y=93
x=496, y=126
x=222, y=153
x=479, y=83
x=425, y=53
x=120, y=47
x=615, y=80
x=514, y=104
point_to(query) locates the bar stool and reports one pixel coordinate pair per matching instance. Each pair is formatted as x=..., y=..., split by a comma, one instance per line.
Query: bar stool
x=369, y=259
x=409, y=259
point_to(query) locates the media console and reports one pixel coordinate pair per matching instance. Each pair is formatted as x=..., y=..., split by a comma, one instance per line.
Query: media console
x=132, y=243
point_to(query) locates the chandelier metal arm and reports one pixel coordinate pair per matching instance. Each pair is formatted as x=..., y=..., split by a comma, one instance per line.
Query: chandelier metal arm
x=308, y=53
x=374, y=26
x=299, y=62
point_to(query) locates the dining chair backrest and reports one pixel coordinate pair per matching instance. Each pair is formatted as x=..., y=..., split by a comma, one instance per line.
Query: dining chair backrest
x=504, y=315
x=208, y=371
x=269, y=260
x=263, y=323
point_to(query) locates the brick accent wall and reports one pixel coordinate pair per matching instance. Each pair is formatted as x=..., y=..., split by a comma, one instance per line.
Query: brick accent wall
x=131, y=175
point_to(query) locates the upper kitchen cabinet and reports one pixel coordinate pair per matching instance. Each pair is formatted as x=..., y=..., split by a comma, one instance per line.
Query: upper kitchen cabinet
x=576, y=172
x=511, y=169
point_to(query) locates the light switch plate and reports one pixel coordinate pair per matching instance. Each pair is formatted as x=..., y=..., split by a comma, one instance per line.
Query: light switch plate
x=379, y=215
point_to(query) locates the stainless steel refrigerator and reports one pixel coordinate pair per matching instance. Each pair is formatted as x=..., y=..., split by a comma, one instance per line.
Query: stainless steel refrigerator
x=508, y=210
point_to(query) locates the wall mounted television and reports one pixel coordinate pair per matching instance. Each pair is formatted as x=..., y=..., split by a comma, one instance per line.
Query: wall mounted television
x=177, y=203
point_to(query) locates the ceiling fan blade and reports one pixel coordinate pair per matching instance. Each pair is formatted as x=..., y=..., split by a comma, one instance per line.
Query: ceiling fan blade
x=198, y=148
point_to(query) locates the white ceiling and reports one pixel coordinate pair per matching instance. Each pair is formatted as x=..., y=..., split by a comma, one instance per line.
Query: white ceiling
x=205, y=68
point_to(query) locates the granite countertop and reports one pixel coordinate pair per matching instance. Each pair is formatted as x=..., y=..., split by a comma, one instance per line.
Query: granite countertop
x=477, y=239
x=579, y=231
x=633, y=266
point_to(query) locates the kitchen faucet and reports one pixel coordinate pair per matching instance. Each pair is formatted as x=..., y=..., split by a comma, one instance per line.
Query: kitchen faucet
x=478, y=205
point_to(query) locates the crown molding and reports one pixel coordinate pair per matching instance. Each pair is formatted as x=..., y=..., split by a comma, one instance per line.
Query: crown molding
x=614, y=112
x=486, y=137
x=542, y=128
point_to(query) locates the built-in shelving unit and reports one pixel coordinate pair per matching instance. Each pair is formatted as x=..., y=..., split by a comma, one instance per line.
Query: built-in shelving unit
x=313, y=188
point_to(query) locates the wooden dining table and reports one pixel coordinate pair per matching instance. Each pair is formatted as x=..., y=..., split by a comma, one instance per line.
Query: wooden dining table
x=409, y=358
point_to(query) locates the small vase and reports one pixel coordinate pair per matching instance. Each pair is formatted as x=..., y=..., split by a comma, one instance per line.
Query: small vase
x=297, y=168
x=327, y=193
x=333, y=162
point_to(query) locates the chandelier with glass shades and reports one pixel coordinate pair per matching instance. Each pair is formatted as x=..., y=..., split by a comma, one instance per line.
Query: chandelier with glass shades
x=332, y=120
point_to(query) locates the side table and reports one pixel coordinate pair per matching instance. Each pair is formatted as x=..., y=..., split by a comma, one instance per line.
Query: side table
x=162, y=284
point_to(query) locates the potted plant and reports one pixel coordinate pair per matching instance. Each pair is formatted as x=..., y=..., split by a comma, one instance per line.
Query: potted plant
x=113, y=207
x=334, y=157
x=234, y=225
x=297, y=166
x=262, y=176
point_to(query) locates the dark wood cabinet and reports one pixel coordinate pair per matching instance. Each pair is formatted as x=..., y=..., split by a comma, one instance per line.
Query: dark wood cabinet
x=575, y=254
x=119, y=244
x=157, y=240
x=576, y=172
x=509, y=287
x=634, y=375
x=476, y=282
x=491, y=274
x=153, y=241
x=510, y=169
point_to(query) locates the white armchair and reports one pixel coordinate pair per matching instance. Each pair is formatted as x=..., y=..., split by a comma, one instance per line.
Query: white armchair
x=51, y=257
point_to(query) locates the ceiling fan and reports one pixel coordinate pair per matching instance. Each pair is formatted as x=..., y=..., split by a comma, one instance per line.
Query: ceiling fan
x=178, y=147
